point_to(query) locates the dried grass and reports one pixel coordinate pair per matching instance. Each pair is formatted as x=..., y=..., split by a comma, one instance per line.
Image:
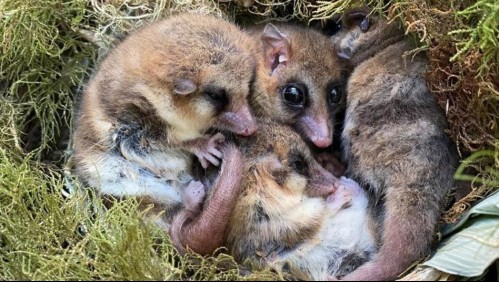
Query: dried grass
x=48, y=50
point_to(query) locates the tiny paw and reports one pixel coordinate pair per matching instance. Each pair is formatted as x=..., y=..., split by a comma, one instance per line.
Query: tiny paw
x=194, y=195
x=217, y=139
x=350, y=185
x=209, y=153
x=341, y=199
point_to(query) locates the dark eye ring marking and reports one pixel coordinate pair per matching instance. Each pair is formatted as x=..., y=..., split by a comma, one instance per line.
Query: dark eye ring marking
x=217, y=97
x=298, y=163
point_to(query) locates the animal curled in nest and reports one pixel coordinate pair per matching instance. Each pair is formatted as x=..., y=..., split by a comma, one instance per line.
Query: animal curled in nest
x=146, y=113
x=394, y=141
x=294, y=215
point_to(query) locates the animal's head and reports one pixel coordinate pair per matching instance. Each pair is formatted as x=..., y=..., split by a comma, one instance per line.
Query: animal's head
x=274, y=210
x=300, y=80
x=358, y=34
x=278, y=159
x=196, y=71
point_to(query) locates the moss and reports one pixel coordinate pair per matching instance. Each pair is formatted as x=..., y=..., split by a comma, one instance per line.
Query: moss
x=481, y=170
x=47, y=236
x=48, y=50
x=483, y=34
x=46, y=233
x=42, y=62
x=9, y=133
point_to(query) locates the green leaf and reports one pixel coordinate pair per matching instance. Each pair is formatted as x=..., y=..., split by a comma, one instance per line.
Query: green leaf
x=474, y=242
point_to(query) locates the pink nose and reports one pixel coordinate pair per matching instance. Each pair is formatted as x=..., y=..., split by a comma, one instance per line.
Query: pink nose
x=317, y=129
x=248, y=131
x=322, y=142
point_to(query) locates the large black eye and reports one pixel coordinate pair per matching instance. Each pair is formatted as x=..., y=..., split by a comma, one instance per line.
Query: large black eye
x=217, y=96
x=294, y=95
x=334, y=96
x=328, y=27
x=332, y=27
x=298, y=164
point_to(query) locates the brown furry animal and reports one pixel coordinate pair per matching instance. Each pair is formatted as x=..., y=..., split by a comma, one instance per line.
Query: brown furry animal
x=278, y=224
x=145, y=113
x=394, y=142
x=299, y=82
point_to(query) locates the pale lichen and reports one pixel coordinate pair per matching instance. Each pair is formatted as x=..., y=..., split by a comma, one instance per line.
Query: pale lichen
x=48, y=50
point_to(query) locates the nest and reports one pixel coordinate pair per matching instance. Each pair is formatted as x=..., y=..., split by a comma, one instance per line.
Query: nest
x=48, y=50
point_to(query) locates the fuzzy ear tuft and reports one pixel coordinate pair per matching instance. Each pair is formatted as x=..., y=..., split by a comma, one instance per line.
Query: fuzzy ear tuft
x=357, y=17
x=184, y=86
x=276, y=47
x=272, y=166
x=270, y=163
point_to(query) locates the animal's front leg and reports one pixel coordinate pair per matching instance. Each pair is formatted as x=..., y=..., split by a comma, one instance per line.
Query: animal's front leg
x=343, y=196
x=206, y=149
x=322, y=183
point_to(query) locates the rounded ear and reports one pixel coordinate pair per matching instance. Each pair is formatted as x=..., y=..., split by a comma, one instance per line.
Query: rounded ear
x=357, y=17
x=272, y=166
x=276, y=46
x=184, y=86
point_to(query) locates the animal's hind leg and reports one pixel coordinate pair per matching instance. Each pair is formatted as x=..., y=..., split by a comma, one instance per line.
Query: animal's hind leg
x=205, y=233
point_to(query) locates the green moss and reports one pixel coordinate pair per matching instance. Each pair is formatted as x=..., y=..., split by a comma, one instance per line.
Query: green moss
x=483, y=32
x=486, y=163
x=42, y=62
x=49, y=47
x=46, y=236
x=9, y=133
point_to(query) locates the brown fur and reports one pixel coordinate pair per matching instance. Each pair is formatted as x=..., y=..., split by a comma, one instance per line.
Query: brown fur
x=309, y=63
x=147, y=109
x=277, y=223
x=394, y=142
